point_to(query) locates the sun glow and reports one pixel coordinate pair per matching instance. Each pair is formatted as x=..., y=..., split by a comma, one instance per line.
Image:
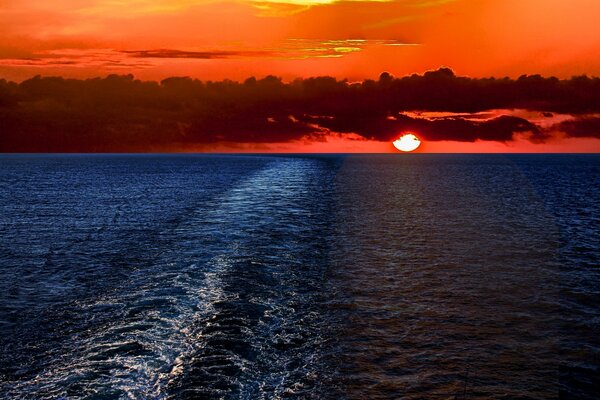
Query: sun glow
x=407, y=142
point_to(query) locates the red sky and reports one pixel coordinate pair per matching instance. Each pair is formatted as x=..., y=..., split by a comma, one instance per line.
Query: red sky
x=206, y=39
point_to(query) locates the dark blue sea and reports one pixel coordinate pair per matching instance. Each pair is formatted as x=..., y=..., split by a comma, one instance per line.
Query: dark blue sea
x=301, y=277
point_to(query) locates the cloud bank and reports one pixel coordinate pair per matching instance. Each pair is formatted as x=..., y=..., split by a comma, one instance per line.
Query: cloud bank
x=120, y=113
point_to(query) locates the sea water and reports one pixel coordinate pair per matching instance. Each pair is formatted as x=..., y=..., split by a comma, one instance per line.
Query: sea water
x=299, y=276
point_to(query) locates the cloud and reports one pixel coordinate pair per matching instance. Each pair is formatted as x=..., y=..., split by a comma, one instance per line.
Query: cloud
x=109, y=58
x=374, y=127
x=580, y=127
x=120, y=113
x=204, y=55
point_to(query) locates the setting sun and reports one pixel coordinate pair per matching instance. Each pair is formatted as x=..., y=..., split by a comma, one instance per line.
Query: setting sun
x=407, y=142
x=217, y=199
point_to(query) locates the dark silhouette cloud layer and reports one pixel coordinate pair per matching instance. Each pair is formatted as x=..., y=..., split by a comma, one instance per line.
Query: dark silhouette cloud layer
x=120, y=113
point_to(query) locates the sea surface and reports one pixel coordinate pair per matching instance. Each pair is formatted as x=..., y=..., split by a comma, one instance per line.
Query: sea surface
x=302, y=277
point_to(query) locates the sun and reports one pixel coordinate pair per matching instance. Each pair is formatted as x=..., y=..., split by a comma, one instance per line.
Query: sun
x=407, y=142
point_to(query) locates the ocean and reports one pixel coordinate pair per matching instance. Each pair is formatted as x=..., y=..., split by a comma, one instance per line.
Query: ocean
x=409, y=276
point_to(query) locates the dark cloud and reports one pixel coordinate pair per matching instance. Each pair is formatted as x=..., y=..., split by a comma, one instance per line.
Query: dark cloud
x=501, y=128
x=581, y=127
x=205, y=55
x=120, y=113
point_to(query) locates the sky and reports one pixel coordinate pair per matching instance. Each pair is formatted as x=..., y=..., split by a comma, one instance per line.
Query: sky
x=291, y=39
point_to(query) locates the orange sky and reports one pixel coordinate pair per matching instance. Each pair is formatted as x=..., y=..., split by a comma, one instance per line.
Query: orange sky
x=293, y=38
x=210, y=39
x=339, y=145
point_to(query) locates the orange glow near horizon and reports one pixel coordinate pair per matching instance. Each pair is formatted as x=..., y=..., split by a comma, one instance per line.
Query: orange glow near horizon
x=336, y=144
